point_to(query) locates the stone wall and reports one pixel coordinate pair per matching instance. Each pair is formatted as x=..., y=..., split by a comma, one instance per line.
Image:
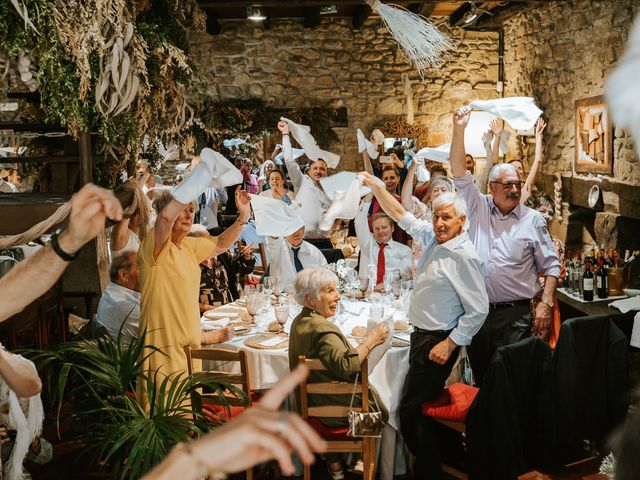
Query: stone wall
x=290, y=66
x=560, y=52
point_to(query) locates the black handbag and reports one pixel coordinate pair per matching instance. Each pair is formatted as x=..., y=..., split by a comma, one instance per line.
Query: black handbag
x=363, y=424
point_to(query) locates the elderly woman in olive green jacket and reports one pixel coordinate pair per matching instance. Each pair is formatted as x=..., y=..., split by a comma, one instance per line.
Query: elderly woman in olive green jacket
x=315, y=336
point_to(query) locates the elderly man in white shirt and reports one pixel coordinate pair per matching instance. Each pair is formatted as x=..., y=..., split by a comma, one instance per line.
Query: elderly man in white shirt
x=119, y=306
x=313, y=201
x=291, y=254
x=378, y=248
x=448, y=307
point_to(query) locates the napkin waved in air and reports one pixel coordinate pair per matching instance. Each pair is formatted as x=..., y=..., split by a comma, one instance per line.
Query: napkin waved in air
x=302, y=134
x=520, y=113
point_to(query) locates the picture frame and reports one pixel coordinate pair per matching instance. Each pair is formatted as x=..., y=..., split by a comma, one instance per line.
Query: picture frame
x=593, y=136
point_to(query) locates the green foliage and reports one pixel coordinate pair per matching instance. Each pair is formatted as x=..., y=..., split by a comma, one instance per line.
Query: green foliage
x=100, y=376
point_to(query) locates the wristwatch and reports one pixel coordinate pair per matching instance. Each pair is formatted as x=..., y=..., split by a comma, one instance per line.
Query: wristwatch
x=67, y=257
x=548, y=303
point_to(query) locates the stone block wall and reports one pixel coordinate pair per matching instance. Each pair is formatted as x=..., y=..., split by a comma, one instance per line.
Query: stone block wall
x=335, y=65
x=560, y=52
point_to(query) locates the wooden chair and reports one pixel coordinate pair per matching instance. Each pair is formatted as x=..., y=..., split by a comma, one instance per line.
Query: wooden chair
x=235, y=404
x=258, y=269
x=336, y=438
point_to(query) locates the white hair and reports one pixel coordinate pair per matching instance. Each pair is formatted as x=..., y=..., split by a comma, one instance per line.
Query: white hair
x=499, y=169
x=450, y=198
x=310, y=281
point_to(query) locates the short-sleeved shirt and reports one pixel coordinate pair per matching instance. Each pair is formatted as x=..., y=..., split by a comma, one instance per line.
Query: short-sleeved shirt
x=169, y=309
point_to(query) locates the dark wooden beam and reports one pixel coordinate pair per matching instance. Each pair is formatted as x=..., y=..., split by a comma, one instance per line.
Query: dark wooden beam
x=414, y=7
x=31, y=127
x=302, y=3
x=311, y=17
x=51, y=159
x=360, y=16
x=457, y=17
x=212, y=26
x=86, y=163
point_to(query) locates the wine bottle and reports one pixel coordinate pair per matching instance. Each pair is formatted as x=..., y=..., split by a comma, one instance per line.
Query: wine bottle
x=578, y=270
x=587, y=282
x=568, y=268
x=601, y=280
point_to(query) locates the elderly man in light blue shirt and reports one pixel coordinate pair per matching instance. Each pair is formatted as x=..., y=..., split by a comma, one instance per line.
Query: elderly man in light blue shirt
x=448, y=306
x=514, y=244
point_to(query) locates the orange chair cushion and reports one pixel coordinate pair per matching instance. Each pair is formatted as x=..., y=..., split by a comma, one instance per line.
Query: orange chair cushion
x=329, y=433
x=453, y=403
x=218, y=414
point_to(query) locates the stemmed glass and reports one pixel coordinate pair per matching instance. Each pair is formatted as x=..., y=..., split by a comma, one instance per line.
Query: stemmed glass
x=282, y=315
x=253, y=303
x=277, y=287
x=268, y=285
x=397, y=288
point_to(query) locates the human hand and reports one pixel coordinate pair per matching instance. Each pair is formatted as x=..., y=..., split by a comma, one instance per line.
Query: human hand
x=261, y=433
x=376, y=336
x=90, y=208
x=461, y=117
x=542, y=321
x=4, y=435
x=246, y=251
x=283, y=127
x=243, y=204
x=371, y=181
x=540, y=126
x=442, y=351
x=497, y=126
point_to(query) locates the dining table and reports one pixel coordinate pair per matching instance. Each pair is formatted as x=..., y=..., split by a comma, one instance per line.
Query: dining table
x=267, y=358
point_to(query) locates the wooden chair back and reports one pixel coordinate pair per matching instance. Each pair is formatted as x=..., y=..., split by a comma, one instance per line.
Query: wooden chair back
x=241, y=380
x=365, y=446
x=260, y=250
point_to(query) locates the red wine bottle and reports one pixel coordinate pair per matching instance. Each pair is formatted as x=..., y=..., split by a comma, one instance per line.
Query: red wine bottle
x=601, y=280
x=587, y=282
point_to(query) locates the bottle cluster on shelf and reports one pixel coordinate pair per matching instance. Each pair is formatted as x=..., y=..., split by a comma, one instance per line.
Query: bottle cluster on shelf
x=588, y=278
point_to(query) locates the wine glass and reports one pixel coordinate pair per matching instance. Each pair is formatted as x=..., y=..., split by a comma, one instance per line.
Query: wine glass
x=397, y=288
x=388, y=282
x=282, y=315
x=268, y=285
x=277, y=286
x=253, y=303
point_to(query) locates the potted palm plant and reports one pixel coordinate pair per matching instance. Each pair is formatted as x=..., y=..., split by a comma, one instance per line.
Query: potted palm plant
x=98, y=378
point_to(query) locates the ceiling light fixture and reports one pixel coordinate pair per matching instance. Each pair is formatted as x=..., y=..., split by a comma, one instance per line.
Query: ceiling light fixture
x=328, y=9
x=255, y=13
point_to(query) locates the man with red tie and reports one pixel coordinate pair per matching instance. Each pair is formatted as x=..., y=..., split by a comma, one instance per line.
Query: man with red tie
x=377, y=248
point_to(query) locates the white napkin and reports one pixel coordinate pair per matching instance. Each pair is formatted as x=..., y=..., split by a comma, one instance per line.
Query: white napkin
x=213, y=324
x=435, y=154
x=364, y=144
x=422, y=173
x=345, y=204
x=378, y=352
x=627, y=304
x=214, y=171
x=272, y=342
x=341, y=181
x=302, y=134
x=635, y=333
x=519, y=112
x=233, y=142
x=274, y=218
x=297, y=153
x=622, y=88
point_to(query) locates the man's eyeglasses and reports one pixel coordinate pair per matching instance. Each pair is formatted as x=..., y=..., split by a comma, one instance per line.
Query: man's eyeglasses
x=510, y=185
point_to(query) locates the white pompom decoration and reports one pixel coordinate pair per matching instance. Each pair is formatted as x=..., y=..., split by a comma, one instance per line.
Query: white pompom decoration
x=421, y=42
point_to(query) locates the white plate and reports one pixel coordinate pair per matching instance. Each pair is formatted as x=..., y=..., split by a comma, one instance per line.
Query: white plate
x=631, y=292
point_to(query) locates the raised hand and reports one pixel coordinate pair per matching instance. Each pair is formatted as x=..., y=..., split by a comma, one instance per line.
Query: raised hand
x=243, y=204
x=461, y=117
x=283, y=127
x=497, y=126
x=540, y=126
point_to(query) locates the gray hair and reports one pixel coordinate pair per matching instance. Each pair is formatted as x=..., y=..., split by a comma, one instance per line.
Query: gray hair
x=450, y=198
x=310, y=281
x=161, y=201
x=122, y=262
x=499, y=169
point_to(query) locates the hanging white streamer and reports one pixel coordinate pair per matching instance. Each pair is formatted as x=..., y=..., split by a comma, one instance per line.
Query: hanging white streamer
x=421, y=42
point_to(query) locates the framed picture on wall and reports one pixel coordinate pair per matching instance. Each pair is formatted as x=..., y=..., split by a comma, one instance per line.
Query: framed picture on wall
x=594, y=140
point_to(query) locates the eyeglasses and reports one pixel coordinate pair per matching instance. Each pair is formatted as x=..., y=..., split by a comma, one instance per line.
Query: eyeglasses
x=510, y=185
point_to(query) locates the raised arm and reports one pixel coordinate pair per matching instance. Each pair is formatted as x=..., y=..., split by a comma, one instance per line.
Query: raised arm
x=28, y=280
x=231, y=234
x=20, y=374
x=456, y=156
x=389, y=204
x=361, y=224
x=407, y=187
x=295, y=174
x=537, y=162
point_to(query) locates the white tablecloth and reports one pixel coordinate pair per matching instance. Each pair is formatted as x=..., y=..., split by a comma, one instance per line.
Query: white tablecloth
x=266, y=367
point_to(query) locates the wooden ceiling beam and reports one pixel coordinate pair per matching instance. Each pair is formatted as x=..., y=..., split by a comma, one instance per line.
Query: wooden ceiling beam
x=311, y=17
x=360, y=16
x=212, y=26
x=301, y=3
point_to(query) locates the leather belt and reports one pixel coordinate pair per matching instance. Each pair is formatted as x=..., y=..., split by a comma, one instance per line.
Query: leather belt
x=437, y=332
x=502, y=305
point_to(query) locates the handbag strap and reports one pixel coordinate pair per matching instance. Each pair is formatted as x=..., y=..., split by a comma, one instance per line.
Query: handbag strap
x=353, y=394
